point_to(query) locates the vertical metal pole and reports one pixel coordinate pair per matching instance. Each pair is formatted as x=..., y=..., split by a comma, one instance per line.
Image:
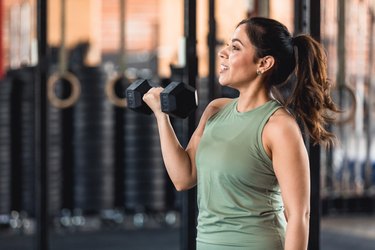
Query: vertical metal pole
x=1, y=40
x=341, y=70
x=212, y=86
x=189, y=200
x=313, y=11
x=340, y=76
x=263, y=8
x=302, y=16
x=315, y=202
x=40, y=129
x=307, y=20
x=63, y=65
x=122, y=62
x=368, y=162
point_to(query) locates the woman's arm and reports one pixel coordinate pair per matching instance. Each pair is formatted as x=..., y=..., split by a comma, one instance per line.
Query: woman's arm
x=284, y=143
x=179, y=162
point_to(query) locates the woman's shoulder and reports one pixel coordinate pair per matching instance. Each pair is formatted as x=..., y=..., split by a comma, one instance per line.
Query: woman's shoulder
x=282, y=120
x=281, y=128
x=212, y=108
x=216, y=105
x=219, y=103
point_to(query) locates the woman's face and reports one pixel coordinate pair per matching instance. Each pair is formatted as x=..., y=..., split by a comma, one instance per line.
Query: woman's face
x=236, y=60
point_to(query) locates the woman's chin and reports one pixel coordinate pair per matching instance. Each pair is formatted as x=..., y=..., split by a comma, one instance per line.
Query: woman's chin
x=222, y=82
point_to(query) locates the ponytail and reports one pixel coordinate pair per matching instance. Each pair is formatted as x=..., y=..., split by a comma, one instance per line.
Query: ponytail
x=310, y=100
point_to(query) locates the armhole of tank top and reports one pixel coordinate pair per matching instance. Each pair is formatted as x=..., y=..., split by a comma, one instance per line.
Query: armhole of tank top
x=265, y=156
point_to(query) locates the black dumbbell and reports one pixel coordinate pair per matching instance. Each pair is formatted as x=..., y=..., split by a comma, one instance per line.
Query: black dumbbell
x=134, y=95
x=178, y=99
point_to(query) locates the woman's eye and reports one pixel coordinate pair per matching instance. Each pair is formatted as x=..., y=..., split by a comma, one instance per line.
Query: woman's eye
x=232, y=47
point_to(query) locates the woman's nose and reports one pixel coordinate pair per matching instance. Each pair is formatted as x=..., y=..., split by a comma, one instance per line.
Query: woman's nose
x=223, y=53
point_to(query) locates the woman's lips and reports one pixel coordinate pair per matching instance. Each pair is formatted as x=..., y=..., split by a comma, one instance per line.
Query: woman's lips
x=223, y=68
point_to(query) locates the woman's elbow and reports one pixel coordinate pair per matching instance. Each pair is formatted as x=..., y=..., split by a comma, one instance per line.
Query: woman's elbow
x=183, y=186
x=180, y=188
x=303, y=215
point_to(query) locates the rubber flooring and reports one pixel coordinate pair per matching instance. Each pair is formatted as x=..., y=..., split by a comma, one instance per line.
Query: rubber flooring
x=337, y=233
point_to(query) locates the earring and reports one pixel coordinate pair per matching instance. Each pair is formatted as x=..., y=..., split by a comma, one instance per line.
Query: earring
x=259, y=72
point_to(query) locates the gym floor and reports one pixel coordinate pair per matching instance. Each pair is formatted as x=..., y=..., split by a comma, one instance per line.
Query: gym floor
x=348, y=232
x=338, y=233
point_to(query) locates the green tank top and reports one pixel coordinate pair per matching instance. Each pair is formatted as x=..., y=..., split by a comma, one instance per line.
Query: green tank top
x=239, y=198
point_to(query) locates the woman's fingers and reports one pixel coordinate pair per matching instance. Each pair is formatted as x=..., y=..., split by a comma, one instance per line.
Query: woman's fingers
x=152, y=99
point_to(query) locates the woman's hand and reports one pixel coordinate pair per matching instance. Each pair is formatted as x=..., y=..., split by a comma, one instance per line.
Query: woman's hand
x=152, y=99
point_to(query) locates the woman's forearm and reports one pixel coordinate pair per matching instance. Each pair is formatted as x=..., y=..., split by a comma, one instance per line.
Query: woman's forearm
x=297, y=232
x=176, y=159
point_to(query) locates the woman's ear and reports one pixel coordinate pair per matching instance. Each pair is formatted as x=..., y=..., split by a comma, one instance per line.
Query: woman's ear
x=266, y=63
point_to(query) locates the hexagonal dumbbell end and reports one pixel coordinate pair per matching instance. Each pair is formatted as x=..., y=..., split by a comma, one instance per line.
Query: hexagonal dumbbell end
x=178, y=99
x=134, y=95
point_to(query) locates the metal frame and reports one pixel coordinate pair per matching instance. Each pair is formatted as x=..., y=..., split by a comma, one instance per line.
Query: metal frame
x=189, y=199
x=307, y=20
x=212, y=43
x=40, y=129
x=314, y=156
x=1, y=38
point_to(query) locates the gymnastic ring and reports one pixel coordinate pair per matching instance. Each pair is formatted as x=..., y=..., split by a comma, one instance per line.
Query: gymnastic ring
x=111, y=94
x=352, y=109
x=75, y=90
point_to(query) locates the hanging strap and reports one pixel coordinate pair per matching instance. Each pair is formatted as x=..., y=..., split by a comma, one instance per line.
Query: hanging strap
x=63, y=74
x=120, y=77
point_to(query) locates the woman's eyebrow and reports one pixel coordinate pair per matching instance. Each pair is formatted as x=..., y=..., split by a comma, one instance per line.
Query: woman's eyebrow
x=237, y=40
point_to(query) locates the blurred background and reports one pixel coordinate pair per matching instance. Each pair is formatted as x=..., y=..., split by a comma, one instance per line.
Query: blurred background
x=107, y=187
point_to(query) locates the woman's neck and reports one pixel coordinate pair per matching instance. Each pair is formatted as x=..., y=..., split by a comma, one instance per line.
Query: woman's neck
x=251, y=98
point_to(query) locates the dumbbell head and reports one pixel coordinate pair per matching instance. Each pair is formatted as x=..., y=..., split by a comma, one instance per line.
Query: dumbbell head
x=134, y=95
x=178, y=99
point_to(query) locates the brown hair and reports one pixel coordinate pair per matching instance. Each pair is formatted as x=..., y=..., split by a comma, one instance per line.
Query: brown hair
x=300, y=68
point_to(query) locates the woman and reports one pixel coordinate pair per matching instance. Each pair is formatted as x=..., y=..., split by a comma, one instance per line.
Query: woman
x=247, y=155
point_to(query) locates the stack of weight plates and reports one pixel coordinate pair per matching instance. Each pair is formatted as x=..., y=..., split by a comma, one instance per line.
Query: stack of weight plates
x=120, y=89
x=145, y=175
x=22, y=134
x=93, y=130
x=5, y=140
x=54, y=153
x=27, y=127
x=16, y=135
x=67, y=150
